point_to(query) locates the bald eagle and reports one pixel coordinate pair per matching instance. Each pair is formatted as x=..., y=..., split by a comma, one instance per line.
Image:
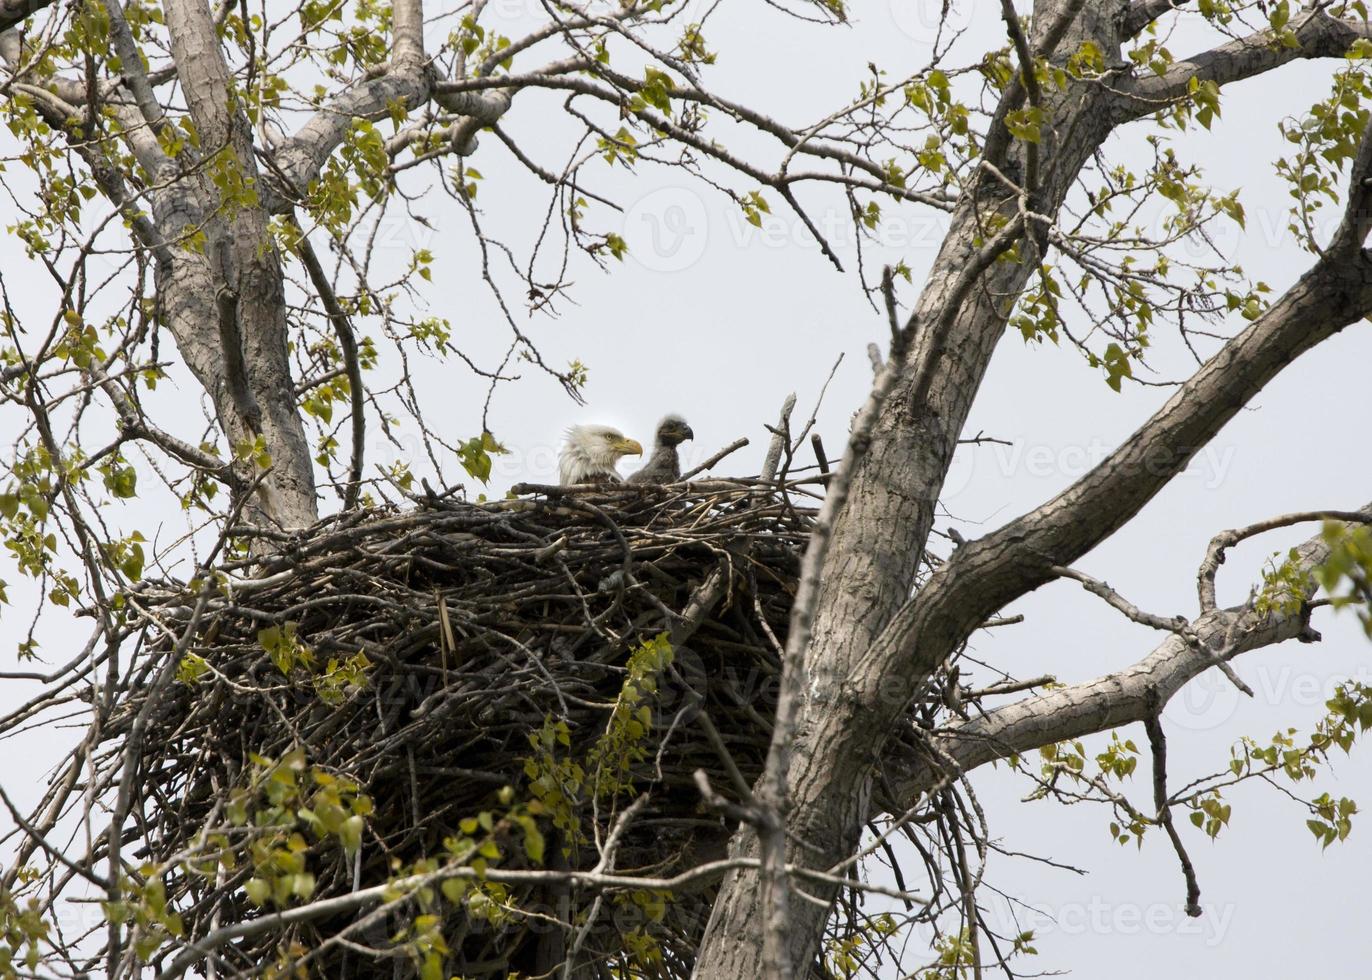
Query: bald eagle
x=663, y=466
x=590, y=453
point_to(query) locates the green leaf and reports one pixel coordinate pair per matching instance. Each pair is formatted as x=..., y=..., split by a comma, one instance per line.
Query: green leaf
x=350, y=834
x=533, y=843
x=1116, y=366
x=123, y=482
x=475, y=455
x=258, y=890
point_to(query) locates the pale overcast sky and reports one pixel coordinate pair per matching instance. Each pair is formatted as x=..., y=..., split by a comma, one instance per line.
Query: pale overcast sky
x=717, y=320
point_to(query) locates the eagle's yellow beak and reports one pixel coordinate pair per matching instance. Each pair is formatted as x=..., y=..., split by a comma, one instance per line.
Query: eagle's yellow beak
x=628, y=447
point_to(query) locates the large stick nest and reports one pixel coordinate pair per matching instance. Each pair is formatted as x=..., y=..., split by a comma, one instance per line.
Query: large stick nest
x=481, y=625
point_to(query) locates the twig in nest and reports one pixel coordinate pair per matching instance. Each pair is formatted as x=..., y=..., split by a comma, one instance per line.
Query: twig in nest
x=728, y=450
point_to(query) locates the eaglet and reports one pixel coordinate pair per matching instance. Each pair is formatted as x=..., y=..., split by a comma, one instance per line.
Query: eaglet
x=664, y=466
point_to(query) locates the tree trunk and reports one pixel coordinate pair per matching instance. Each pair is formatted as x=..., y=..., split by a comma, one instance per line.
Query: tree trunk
x=854, y=701
x=225, y=300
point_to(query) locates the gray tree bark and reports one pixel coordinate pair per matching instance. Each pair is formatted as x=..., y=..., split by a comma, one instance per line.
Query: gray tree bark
x=854, y=702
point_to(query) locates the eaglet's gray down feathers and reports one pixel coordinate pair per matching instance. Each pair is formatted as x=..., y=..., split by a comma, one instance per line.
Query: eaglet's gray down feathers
x=664, y=466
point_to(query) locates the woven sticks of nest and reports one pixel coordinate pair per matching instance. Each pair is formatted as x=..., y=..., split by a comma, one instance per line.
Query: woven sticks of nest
x=397, y=675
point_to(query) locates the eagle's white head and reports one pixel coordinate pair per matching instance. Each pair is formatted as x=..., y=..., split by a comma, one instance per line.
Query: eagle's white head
x=590, y=453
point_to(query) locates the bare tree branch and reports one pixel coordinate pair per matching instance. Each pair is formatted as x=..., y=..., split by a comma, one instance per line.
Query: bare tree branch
x=1157, y=741
x=1318, y=35
x=1116, y=699
x=347, y=342
x=1143, y=12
